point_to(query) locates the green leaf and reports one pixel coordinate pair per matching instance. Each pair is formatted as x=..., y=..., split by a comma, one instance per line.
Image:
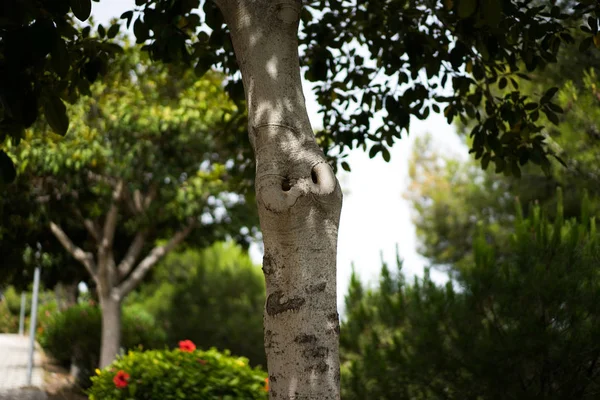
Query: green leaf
x=82, y=9
x=549, y=95
x=101, y=31
x=345, y=166
x=556, y=108
x=530, y=106
x=60, y=58
x=56, y=114
x=140, y=30
x=515, y=169
x=585, y=44
x=113, y=30
x=502, y=83
x=128, y=15
x=374, y=150
x=485, y=160
x=8, y=173
x=551, y=116
x=385, y=153
x=492, y=12
x=466, y=8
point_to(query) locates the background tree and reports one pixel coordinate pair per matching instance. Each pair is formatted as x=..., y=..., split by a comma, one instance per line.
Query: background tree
x=212, y=297
x=452, y=197
x=142, y=164
x=521, y=326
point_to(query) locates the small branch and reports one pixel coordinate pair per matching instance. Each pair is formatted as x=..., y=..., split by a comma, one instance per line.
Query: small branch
x=90, y=225
x=137, y=203
x=151, y=259
x=132, y=254
x=110, y=224
x=86, y=258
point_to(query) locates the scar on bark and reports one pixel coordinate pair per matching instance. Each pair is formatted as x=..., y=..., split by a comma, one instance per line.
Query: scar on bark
x=334, y=320
x=315, y=352
x=319, y=287
x=305, y=339
x=275, y=306
x=268, y=265
x=321, y=367
x=268, y=339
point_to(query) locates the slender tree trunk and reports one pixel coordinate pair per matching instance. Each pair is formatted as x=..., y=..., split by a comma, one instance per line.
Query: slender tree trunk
x=72, y=291
x=299, y=203
x=111, y=329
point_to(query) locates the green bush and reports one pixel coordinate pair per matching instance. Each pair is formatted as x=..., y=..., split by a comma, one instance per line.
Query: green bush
x=10, y=308
x=73, y=336
x=9, y=323
x=219, y=286
x=179, y=374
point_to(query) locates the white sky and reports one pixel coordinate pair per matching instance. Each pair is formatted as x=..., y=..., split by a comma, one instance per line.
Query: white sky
x=375, y=217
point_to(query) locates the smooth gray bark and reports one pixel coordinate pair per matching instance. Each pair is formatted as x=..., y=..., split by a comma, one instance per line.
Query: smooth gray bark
x=111, y=329
x=299, y=203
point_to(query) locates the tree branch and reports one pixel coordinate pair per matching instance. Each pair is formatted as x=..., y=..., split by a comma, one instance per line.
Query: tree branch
x=136, y=202
x=110, y=224
x=151, y=259
x=90, y=225
x=86, y=258
x=133, y=253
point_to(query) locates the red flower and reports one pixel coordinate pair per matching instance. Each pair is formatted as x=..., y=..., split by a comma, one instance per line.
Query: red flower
x=187, y=346
x=266, y=384
x=121, y=379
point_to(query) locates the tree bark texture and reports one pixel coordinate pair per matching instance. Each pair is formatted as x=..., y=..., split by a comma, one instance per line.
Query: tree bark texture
x=299, y=203
x=111, y=329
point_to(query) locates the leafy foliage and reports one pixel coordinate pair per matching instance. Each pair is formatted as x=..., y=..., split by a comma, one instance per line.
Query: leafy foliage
x=46, y=58
x=174, y=141
x=520, y=325
x=73, y=336
x=219, y=286
x=451, y=197
x=178, y=374
x=406, y=58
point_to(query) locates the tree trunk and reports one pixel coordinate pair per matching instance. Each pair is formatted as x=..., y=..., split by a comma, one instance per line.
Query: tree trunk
x=111, y=329
x=72, y=290
x=299, y=203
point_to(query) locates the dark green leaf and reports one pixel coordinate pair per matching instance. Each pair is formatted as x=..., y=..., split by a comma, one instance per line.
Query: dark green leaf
x=500, y=164
x=551, y=116
x=113, y=30
x=585, y=44
x=466, y=8
x=81, y=8
x=485, y=160
x=140, y=30
x=56, y=114
x=502, y=83
x=556, y=108
x=345, y=166
x=8, y=173
x=530, y=106
x=515, y=170
x=101, y=31
x=385, y=153
x=548, y=95
x=60, y=58
x=492, y=12
x=128, y=15
x=374, y=150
